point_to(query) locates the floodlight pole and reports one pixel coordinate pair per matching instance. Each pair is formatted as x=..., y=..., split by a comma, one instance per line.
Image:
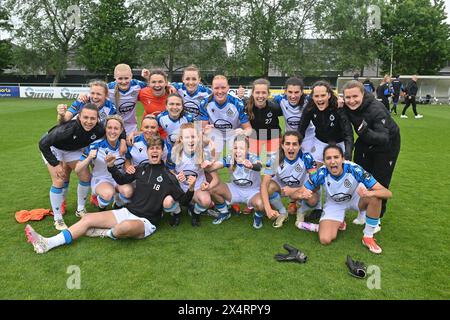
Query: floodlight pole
x=392, y=55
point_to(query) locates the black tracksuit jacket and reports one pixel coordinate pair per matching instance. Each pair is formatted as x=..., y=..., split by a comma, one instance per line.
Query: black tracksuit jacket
x=153, y=183
x=69, y=136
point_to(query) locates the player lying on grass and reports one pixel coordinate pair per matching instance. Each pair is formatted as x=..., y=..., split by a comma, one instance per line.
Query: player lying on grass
x=342, y=183
x=154, y=185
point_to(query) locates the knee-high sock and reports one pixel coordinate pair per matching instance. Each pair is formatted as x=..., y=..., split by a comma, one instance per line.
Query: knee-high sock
x=65, y=189
x=174, y=209
x=103, y=203
x=199, y=209
x=82, y=192
x=275, y=201
x=64, y=237
x=371, y=224
x=56, y=200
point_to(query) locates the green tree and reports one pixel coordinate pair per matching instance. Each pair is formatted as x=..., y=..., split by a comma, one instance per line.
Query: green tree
x=345, y=23
x=5, y=44
x=270, y=34
x=177, y=33
x=47, y=33
x=110, y=37
x=416, y=33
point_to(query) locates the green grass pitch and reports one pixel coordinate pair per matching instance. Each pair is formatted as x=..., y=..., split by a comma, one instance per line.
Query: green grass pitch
x=231, y=260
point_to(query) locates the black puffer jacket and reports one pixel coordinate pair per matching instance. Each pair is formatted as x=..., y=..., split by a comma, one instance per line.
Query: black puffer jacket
x=377, y=131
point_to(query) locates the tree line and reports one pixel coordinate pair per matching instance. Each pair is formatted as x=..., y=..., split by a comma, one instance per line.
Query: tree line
x=235, y=37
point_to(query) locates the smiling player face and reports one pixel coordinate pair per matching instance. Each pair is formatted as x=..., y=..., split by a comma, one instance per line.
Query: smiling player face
x=260, y=94
x=353, y=98
x=113, y=130
x=154, y=154
x=240, y=151
x=220, y=89
x=321, y=97
x=189, y=140
x=333, y=161
x=123, y=79
x=88, y=119
x=291, y=147
x=191, y=80
x=293, y=94
x=98, y=95
x=149, y=127
x=174, y=106
x=158, y=84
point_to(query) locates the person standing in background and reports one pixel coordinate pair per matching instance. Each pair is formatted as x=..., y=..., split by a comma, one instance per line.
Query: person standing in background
x=410, y=98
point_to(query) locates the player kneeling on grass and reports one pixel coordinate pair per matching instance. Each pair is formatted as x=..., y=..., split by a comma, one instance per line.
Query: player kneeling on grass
x=245, y=182
x=139, y=218
x=292, y=171
x=342, y=182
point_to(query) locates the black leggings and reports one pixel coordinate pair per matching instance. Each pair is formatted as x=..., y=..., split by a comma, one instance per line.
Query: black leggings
x=408, y=102
x=380, y=165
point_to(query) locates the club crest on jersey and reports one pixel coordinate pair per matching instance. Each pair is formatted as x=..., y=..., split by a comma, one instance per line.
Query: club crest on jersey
x=140, y=150
x=298, y=168
x=93, y=137
x=159, y=179
x=134, y=94
x=74, y=137
x=383, y=121
x=332, y=118
x=269, y=115
x=347, y=184
x=230, y=112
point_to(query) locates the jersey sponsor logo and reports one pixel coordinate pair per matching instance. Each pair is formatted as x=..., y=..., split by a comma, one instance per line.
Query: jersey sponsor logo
x=188, y=173
x=119, y=162
x=243, y=182
x=126, y=107
x=341, y=197
x=290, y=181
x=347, y=184
x=193, y=110
x=293, y=121
x=222, y=124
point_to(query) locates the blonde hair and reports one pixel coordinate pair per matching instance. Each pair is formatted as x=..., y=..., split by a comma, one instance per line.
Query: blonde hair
x=116, y=117
x=192, y=67
x=177, y=149
x=99, y=83
x=121, y=67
